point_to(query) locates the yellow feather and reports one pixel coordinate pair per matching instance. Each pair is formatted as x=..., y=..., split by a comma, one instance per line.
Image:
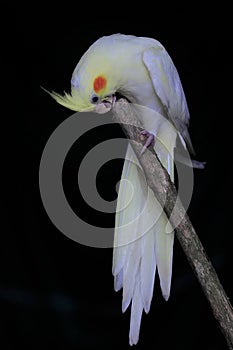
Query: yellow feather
x=71, y=101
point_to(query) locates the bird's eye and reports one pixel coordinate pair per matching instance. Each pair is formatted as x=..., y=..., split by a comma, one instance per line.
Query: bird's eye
x=94, y=99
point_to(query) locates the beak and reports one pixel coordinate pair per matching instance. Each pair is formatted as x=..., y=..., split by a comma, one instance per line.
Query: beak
x=106, y=104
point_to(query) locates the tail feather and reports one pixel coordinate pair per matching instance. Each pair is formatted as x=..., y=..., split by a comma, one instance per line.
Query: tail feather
x=136, y=311
x=163, y=240
x=164, y=253
x=130, y=272
x=118, y=281
x=126, y=212
x=142, y=244
x=147, y=270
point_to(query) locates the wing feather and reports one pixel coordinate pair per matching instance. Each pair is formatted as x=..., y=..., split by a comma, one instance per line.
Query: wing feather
x=168, y=88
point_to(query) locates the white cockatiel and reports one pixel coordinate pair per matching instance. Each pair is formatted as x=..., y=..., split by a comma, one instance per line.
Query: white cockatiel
x=141, y=70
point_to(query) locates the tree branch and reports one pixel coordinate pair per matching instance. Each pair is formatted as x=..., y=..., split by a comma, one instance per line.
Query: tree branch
x=165, y=191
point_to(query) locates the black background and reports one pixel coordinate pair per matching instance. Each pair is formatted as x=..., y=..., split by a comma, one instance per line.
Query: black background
x=54, y=292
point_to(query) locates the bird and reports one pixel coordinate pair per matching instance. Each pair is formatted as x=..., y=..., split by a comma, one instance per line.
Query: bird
x=141, y=70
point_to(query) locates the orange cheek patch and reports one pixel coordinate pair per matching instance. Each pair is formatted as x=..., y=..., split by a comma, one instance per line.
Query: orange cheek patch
x=99, y=83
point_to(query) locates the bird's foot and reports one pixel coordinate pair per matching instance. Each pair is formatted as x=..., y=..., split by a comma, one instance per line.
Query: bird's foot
x=150, y=140
x=109, y=101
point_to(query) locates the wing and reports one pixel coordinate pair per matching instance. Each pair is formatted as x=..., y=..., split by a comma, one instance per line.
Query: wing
x=168, y=88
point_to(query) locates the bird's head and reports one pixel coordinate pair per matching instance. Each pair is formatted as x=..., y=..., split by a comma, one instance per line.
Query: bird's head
x=91, y=90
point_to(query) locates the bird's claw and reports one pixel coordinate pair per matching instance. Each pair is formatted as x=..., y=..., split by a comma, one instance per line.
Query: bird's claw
x=109, y=101
x=150, y=140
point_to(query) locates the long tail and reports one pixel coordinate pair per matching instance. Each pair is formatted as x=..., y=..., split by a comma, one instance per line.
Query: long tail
x=141, y=240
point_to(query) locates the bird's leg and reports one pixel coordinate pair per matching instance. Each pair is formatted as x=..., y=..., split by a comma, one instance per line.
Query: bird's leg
x=150, y=139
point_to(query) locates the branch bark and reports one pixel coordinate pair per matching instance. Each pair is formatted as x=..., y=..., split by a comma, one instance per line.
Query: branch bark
x=165, y=191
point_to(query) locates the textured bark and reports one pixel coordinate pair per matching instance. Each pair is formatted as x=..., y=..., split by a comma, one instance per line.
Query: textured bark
x=165, y=191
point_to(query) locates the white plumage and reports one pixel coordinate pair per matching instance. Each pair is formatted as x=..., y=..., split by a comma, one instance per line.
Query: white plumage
x=149, y=247
x=142, y=71
x=141, y=242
